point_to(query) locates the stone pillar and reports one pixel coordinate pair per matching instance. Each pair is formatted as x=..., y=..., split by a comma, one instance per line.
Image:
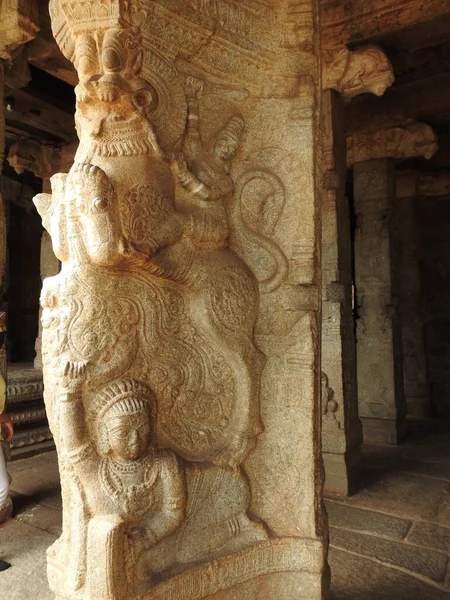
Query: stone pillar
x=341, y=428
x=43, y=161
x=417, y=392
x=181, y=337
x=345, y=74
x=382, y=406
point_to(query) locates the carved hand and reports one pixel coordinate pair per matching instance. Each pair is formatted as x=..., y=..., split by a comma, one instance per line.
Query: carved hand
x=193, y=87
x=74, y=375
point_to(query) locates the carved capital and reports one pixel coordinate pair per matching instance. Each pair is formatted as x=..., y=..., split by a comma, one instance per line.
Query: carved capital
x=27, y=155
x=411, y=184
x=18, y=24
x=365, y=70
x=400, y=141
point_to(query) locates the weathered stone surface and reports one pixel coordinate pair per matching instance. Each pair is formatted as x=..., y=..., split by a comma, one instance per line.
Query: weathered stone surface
x=18, y=24
x=24, y=547
x=421, y=561
x=186, y=310
x=40, y=482
x=342, y=516
x=392, y=140
x=365, y=70
x=430, y=536
x=379, y=357
x=341, y=428
x=410, y=294
x=358, y=578
x=38, y=516
x=405, y=495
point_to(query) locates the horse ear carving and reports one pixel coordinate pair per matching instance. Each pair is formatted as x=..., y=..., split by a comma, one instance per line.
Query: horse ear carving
x=44, y=205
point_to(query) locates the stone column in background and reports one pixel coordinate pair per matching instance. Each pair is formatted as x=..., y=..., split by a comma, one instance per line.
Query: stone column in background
x=182, y=335
x=416, y=386
x=345, y=75
x=18, y=24
x=382, y=406
x=43, y=161
x=341, y=428
x=381, y=397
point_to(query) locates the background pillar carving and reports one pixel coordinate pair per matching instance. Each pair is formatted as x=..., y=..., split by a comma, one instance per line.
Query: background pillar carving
x=180, y=340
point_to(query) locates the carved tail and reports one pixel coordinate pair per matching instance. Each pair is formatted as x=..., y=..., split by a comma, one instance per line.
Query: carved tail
x=265, y=213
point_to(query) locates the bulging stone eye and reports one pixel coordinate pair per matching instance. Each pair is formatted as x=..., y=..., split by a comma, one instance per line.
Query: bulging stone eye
x=99, y=204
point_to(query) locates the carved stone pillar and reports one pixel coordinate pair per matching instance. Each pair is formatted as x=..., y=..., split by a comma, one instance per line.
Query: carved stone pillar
x=341, y=428
x=345, y=75
x=382, y=406
x=181, y=337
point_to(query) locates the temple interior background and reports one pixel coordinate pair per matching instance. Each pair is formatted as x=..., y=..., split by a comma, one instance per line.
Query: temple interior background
x=387, y=483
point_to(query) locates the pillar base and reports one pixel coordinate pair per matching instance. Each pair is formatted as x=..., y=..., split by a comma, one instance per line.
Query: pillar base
x=383, y=431
x=343, y=472
x=281, y=569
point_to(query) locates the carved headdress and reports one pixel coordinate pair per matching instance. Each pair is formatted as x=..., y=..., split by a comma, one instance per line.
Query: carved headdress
x=123, y=397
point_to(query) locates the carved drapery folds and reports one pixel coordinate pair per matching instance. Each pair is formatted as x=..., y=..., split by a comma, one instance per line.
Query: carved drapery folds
x=166, y=354
x=354, y=72
x=407, y=139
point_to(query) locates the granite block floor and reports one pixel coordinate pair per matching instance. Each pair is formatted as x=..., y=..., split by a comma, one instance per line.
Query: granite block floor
x=391, y=541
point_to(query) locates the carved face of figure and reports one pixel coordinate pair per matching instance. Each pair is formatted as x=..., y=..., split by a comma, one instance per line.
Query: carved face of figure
x=225, y=146
x=129, y=435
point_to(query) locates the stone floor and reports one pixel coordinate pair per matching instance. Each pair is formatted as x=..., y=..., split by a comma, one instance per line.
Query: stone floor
x=389, y=542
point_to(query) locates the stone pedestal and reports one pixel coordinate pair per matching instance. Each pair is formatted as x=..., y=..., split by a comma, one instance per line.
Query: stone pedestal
x=417, y=392
x=341, y=433
x=382, y=406
x=181, y=337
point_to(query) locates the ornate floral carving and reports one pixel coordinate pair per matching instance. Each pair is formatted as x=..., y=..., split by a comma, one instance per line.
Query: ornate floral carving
x=354, y=72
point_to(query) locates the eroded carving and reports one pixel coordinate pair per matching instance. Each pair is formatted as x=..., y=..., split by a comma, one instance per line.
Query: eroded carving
x=364, y=70
x=404, y=140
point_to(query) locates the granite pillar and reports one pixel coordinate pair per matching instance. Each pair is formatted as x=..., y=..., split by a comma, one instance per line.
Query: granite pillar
x=382, y=407
x=410, y=302
x=341, y=432
x=181, y=339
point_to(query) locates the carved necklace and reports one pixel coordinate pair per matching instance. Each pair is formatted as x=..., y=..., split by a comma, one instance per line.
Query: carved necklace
x=130, y=495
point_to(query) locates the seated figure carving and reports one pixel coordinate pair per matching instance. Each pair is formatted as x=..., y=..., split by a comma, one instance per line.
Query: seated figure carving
x=140, y=490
